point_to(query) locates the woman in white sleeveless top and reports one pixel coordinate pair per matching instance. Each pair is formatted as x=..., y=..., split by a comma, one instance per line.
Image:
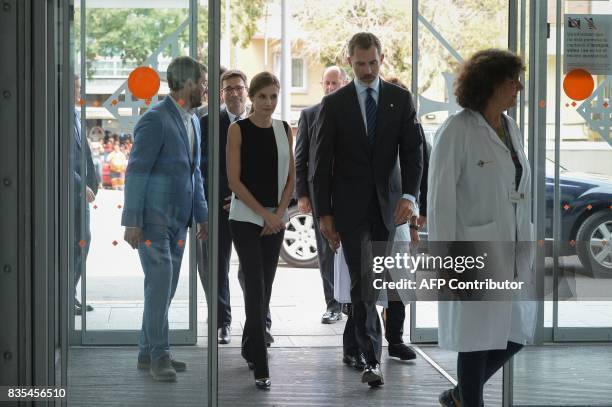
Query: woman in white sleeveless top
x=261, y=175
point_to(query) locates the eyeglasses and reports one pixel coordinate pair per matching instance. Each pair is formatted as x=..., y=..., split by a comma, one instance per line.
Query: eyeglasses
x=230, y=89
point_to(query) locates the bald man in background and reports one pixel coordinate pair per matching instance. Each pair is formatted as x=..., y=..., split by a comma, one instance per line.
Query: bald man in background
x=333, y=78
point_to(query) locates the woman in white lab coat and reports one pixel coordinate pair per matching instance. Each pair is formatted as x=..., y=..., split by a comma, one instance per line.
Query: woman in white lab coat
x=479, y=190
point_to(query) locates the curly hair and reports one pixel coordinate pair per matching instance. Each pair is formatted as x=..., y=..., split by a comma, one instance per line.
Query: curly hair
x=482, y=74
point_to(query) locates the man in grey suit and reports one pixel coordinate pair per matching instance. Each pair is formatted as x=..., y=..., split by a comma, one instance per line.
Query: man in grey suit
x=164, y=195
x=333, y=78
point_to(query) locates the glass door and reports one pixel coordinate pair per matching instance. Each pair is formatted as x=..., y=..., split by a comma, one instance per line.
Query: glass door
x=122, y=50
x=438, y=50
x=577, y=217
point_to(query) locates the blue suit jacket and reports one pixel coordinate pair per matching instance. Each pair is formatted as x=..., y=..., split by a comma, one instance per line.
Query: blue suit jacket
x=163, y=185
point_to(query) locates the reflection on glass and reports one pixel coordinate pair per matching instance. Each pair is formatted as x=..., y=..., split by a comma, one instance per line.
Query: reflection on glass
x=132, y=41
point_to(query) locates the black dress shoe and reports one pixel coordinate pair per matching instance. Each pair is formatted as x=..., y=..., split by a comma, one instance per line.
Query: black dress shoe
x=372, y=375
x=402, y=351
x=331, y=316
x=224, y=335
x=449, y=398
x=269, y=338
x=354, y=361
x=263, y=384
x=78, y=307
x=345, y=309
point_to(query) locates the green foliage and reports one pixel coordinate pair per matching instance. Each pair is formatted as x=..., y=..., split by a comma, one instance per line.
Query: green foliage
x=468, y=25
x=130, y=34
x=134, y=34
x=244, y=17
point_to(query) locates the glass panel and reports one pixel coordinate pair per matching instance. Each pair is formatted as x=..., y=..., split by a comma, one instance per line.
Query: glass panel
x=132, y=39
x=442, y=48
x=576, y=374
x=585, y=187
x=113, y=51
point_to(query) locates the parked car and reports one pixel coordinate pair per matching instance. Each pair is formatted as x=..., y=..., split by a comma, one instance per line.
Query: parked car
x=586, y=224
x=299, y=247
x=586, y=219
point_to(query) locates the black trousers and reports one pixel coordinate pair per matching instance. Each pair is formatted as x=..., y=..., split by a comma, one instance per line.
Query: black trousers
x=393, y=320
x=326, y=263
x=241, y=281
x=474, y=369
x=258, y=257
x=224, y=309
x=363, y=317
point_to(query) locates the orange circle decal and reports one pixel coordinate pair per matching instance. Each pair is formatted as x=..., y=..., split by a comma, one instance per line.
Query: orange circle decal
x=143, y=82
x=578, y=84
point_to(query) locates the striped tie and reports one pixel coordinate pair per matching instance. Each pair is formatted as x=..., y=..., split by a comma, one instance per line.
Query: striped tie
x=370, y=108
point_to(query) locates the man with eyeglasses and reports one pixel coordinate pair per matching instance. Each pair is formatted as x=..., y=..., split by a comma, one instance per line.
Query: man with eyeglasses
x=233, y=94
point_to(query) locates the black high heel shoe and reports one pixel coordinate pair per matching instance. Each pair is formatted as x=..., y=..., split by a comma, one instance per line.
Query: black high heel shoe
x=263, y=384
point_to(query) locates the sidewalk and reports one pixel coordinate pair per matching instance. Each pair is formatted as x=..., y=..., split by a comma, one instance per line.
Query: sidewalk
x=115, y=289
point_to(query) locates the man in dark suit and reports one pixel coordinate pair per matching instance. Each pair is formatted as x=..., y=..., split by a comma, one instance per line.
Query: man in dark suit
x=333, y=78
x=163, y=197
x=362, y=190
x=82, y=230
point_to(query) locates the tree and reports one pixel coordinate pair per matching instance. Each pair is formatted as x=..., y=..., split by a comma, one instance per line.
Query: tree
x=133, y=34
x=130, y=34
x=468, y=25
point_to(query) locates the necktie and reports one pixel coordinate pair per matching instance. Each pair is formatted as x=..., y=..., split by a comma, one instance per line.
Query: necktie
x=370, y=109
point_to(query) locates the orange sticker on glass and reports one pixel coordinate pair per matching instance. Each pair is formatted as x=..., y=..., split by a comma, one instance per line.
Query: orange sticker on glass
x=82, y=243
x=148, y=243
x=180, y=243
x=143, y=82
x=115, y=243
x=578, y=84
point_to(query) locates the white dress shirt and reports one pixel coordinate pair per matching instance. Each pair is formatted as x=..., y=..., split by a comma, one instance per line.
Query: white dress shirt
x=232, y=116
x=186, y=116
x=362, y=94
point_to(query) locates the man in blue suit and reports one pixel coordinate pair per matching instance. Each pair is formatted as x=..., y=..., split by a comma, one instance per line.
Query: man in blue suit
x=164, y=194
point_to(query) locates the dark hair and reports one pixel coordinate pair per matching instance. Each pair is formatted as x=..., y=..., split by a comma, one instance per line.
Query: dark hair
x=183, y=68
x=233, y=73
x=482, y=74
x=363, y=40
x=260, y=81
x=397, y=82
